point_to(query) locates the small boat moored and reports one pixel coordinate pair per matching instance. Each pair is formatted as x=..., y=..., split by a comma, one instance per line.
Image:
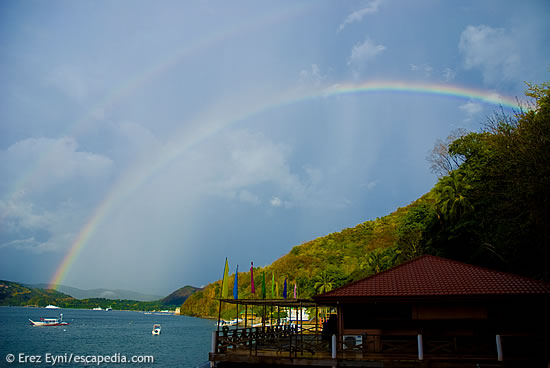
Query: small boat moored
x=49, y=321
x=156, y=329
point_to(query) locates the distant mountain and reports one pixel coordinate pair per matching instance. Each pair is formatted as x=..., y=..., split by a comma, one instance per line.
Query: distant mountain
x=100, y=293
x=180, y=295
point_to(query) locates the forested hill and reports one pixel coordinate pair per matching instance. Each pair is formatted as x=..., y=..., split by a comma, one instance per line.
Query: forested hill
x=15, y=294
x=490, y=207
x=179, y=296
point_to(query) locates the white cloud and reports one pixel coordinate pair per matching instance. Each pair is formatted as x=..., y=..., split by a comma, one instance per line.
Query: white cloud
x=425, y=69
x=55, y=182
x=364, y=52
x=276, y=202
x=312, y=75
x=448, y=74
x=47, y=163
x=471, y=109
x=494, y=51
x=358, y=15
x=371, y=185
x=249, y=167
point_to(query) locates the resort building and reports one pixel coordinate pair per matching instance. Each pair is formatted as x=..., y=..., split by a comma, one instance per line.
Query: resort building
x=428, y=312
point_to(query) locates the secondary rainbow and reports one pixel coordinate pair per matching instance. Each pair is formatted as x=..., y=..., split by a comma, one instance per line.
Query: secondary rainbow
x=134, y=178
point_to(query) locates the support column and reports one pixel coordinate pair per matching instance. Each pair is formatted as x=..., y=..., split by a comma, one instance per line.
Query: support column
x=499, y=349
x=214, y=347
x=333, y=346
x=420, y=348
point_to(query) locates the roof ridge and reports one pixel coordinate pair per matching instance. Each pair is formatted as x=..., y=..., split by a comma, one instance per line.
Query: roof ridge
x=487, y=269
x=377, y=274
x=428, y=274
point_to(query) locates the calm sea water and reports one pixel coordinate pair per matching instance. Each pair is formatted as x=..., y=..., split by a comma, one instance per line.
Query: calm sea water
x=184, y=341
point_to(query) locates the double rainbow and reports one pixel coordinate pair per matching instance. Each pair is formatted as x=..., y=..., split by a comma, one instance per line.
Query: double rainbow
x=134, y=178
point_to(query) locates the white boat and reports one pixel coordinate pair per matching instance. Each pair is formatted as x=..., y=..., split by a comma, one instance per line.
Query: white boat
x=97, y=308
x=223, y=323
x=49, y=321
x=109, y=309
x=156, y=329
x=50, y=306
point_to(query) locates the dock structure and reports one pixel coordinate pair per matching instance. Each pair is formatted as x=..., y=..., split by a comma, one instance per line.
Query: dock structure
x=428, y=312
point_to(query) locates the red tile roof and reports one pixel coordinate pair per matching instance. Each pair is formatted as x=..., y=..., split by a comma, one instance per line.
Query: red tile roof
x=434, y=276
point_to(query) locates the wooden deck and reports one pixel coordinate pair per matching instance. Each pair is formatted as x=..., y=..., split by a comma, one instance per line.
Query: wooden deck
x=287, y=346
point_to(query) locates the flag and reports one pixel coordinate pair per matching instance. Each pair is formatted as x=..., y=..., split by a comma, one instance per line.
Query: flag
x=225, y=280
x=252, y=288
x=284, y=290
x=295, y=289
x=272, y=285
x=263, y=285
x=236, y=284
x=276, y=289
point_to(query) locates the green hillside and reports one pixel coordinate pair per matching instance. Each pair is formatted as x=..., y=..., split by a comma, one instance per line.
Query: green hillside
x=15, y=294
x=490, y=207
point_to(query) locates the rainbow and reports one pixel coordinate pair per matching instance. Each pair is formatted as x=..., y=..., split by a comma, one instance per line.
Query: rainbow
x=446, y=90
x=210, y=125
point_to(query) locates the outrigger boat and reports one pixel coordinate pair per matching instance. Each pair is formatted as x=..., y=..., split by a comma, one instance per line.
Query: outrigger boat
x=49, y=321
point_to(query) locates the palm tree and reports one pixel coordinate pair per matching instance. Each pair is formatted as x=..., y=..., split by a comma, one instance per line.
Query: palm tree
x=450, y=199
x=323, y=283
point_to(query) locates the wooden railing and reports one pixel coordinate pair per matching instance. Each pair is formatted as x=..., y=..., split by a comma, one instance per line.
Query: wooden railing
x=293, y=342
x=287, y=340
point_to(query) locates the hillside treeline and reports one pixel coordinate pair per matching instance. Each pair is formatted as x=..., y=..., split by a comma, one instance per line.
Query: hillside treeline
x=490, y=207
x=15, y=294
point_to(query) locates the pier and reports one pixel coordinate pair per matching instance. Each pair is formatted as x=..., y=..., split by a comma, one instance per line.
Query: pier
x=451, y=315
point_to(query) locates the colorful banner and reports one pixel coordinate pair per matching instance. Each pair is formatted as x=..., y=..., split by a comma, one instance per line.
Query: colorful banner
x=225, y=280
x=236, y=284
x=252, y=287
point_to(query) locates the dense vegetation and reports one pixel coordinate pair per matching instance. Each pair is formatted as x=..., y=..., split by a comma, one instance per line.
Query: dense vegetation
x=490, y=207
x=14, y=294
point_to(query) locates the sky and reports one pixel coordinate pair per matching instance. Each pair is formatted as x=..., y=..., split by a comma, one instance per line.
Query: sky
x=142, y=142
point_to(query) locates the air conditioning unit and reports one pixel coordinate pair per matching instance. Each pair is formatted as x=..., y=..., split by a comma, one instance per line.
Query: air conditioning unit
x=352, y=341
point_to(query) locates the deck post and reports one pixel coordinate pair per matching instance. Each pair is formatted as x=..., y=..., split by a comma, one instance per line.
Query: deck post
x=499, y=349
x=333, y=346
x=420, y=348
x=214, y=348
x=290, y=332
x=219, y=315
x=214, y=342
x=301, y=328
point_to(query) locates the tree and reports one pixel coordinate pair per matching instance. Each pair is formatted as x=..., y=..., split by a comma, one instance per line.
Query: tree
x=443, y=161
x=380, y=260
x=323, y=282
x=450, y=194
x=413, y=228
